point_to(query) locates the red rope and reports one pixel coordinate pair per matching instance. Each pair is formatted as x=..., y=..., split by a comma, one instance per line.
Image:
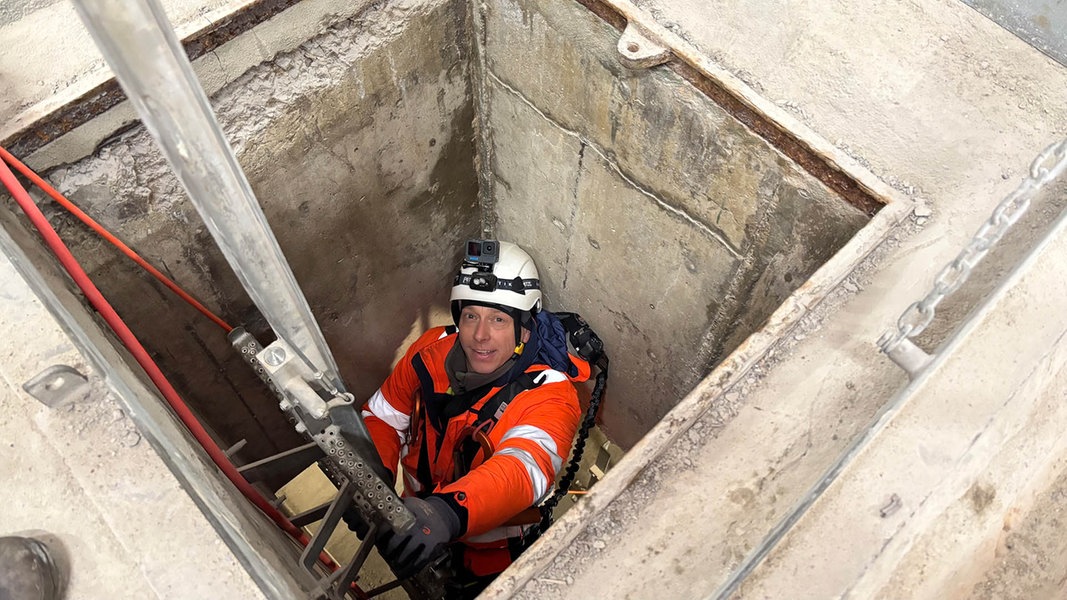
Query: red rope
x=97, y=300
x=107, y=235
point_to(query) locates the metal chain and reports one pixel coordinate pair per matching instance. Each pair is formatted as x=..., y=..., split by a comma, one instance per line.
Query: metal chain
x=916, y=318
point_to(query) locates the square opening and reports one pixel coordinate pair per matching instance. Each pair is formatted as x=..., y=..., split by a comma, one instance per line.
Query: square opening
x=659, y=203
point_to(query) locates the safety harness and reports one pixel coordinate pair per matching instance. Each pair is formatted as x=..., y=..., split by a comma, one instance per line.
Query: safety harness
x=582, y=343
x=440, y=408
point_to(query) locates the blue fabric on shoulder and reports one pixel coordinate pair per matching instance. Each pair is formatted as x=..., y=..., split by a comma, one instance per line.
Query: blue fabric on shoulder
x=547, y=345
x=552, y=346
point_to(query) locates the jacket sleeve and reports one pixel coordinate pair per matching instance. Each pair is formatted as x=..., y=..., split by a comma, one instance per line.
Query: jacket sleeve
x=387, y=413
x=535, y=436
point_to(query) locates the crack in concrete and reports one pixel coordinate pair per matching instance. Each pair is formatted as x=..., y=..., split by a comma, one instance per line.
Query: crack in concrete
x=663, y=204
x=483, y=132
x=739, y=289
x=222, y=65
x=574, y=212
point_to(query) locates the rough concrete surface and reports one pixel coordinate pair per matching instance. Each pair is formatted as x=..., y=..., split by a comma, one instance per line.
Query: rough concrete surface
x=358, y=145
x=936, y=101
x=658, y=215
x=82, y=473
x=1031, y=555
x=82, y=129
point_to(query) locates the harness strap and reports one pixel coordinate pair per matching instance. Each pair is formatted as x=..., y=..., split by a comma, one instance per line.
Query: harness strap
x=439, y=409
x=494, y=407
x=488, y=415
x=425, y=383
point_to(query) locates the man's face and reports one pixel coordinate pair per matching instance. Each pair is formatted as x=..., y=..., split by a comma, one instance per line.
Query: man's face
x=487, y=336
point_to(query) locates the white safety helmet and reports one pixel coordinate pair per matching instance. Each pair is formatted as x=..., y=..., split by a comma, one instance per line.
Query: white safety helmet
x=500, y=275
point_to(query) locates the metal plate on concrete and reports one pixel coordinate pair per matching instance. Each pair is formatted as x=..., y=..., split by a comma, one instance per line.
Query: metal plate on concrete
x=58, y=385
x=1041, y=24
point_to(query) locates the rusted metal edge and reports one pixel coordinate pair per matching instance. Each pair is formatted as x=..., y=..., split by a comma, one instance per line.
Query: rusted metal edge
x=811, y=162
x=107, y=95
x=788, y=144
x=78, y=111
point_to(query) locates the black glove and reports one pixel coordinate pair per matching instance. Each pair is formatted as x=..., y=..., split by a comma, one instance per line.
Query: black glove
x=355, y=522
x=436, y=524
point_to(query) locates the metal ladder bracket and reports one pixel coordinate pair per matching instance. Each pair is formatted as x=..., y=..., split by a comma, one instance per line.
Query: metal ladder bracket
x=639, y=49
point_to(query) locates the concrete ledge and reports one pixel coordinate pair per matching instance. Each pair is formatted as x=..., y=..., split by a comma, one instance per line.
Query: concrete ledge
x=151, y=505
x=916, y=507
x=70, y=124
x=536, y=561
x=84, y=473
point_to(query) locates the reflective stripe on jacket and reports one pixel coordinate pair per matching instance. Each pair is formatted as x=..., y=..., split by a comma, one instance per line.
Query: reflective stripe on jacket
x=531, y=439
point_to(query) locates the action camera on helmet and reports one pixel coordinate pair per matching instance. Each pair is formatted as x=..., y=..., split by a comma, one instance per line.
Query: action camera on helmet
x=483, y=252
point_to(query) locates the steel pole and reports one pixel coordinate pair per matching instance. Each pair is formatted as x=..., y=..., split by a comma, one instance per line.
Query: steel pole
x=144, y=52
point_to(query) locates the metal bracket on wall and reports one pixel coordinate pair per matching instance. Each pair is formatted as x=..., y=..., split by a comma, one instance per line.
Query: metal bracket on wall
x=639, y=49
x=909, y=357
x=58, y=385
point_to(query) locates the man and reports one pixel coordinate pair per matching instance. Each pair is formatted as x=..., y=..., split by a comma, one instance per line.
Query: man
x=477, y=419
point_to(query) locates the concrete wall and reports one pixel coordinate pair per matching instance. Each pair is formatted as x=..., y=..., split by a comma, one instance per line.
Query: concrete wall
x=651, y=211
x=359, y=146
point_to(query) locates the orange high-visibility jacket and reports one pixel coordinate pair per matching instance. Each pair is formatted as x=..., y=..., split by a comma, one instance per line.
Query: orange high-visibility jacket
x=530, y=440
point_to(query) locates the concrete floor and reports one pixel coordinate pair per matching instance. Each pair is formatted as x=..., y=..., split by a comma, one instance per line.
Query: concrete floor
x=931, y=97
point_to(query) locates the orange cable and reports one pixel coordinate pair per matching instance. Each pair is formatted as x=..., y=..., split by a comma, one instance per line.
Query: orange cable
x=107, y=235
